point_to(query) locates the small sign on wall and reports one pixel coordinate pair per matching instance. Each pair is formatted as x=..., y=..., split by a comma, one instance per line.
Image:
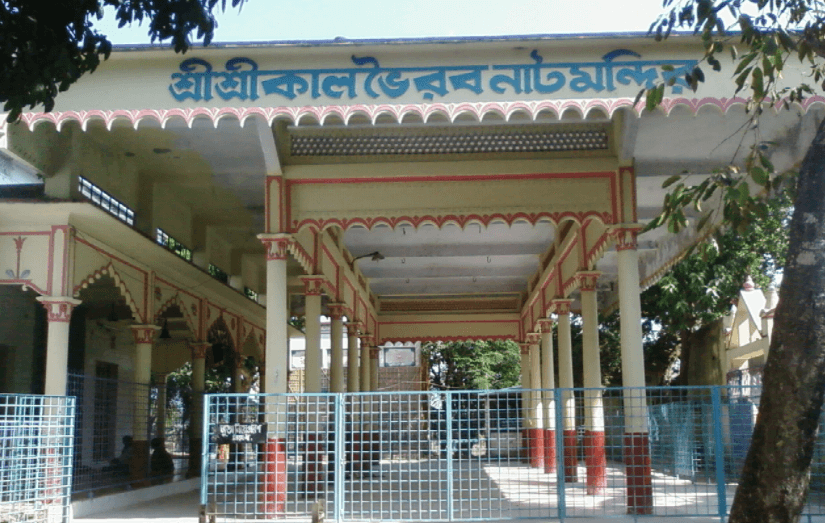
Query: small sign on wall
x=399, y=356
x=239, y=433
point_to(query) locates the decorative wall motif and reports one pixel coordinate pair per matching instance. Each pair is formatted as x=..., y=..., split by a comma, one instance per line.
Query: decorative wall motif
x=21, y=260
x=532, y=110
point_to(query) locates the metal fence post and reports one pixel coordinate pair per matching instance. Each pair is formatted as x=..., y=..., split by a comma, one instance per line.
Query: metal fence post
x=449, y=416
x=338, y=457
x=721, y=491
x=560, y=494
x=205, y=448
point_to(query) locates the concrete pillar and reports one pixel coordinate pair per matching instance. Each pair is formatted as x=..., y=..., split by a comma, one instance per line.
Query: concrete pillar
x=336, y=366
x=160, y=381
x=353, y=369
x=568, y=399
x=527, y=422
x=548, y=383
x=199, y=351
x=366, y=343
x=636, y=440
x=313, y=290
x=59, y=314
x=274, y=377
x=594, y=454
x=144, y=336
x=536, y=433
x=374, y=368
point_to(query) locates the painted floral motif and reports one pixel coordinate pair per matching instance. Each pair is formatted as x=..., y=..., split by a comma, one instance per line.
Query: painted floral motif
x=17, y=274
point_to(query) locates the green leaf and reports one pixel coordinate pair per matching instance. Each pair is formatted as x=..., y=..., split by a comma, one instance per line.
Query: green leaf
x=670, y=181
x=757, y=84
x=760, y=176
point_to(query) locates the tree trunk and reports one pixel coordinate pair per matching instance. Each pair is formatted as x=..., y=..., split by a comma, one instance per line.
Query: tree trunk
x=774, y=482
x=705, y=347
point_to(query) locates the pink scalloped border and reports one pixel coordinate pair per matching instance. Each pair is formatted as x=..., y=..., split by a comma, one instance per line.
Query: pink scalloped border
x=424, y=112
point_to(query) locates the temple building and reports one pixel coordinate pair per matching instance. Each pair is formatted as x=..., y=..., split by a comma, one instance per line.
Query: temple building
x=179, y=210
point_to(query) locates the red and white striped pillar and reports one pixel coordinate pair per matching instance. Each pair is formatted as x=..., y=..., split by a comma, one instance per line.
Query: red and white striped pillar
x=526, y=397
x=594, y=455
x=548, y=383
x=636, y=440
x=274, y=375
x=535, y=436
x=568, y=399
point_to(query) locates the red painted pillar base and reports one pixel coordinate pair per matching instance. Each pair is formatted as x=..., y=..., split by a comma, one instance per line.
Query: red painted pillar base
x=275, y=477
x=535, y=447
x=549, y=451
x=355, y=456
x=595, y=461
x=312, y=464
x=637, y=471
x=571, y=458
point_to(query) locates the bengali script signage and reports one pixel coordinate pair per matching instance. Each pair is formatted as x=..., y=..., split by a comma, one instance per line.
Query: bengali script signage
x=240, y=433
x=241, y=78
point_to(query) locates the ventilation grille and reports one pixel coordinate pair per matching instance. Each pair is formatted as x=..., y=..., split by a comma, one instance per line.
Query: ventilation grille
x=381, y=144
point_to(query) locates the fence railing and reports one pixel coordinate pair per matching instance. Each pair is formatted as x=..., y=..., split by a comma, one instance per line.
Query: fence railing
x=479, y=455
x=115, y=423
x=35, y=457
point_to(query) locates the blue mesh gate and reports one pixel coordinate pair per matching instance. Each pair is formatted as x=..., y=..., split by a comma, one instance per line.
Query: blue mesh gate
x=36, y=443
x=479, y=455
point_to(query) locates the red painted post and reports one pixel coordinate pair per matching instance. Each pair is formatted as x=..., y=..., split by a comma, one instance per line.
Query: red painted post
x=312, y=464
x=571, y=458
x=275, y=477
x=595, y=461
x=535, y=447
x=637, y=472
x=549, y=451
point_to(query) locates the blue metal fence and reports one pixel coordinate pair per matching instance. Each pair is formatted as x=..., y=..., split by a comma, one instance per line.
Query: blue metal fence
x=35, y=457
x=480, y=455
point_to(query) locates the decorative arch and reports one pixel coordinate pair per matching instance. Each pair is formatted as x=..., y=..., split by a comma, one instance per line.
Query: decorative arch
x=109, y=270
x=175, y=301
x=223, y=348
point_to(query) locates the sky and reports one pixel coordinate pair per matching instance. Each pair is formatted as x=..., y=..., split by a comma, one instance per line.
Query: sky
x=279, y=20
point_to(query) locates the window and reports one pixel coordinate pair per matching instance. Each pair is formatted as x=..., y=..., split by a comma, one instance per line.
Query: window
x=105, y=201
x=173, y=245
x=217, y=273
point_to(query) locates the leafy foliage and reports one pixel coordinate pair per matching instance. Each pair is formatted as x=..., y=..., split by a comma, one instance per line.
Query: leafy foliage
x=473, y=365
x=761, y=37
x=46, y=46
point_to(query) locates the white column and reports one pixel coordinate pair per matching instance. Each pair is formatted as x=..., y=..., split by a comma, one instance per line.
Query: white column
x=568, y=399
x=353, y=369
x=277, y=313
x=59, y=310
x=548, y=383
x=594, y=444
x=336, y=366
x=533, y=339
x=630, y=310
x=144, y=340
x=199, y=350
x=594, y=414
x=366, y=343
x=526, y=397
x=374, y=368
x=566, y=364
x=548, y=379
x=312, y=327
x=636, y=441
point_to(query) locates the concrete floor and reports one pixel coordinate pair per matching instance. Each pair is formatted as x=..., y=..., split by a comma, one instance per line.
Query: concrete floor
x=520, y=494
